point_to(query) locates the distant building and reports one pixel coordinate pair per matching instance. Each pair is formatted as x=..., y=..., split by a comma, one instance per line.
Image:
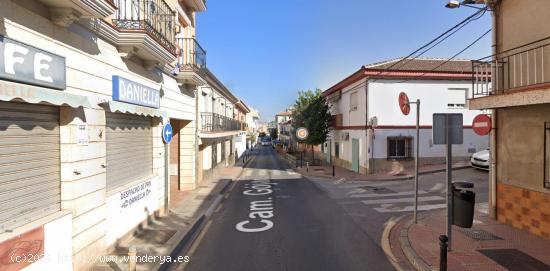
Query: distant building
x=370, y=133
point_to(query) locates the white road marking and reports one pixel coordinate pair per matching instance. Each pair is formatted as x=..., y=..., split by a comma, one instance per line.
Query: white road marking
x=411, y=208
x=437, y=187
x=406, y=193
x=401, y=200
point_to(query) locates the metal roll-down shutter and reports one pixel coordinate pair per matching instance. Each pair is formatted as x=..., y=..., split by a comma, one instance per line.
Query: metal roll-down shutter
x=129, y=149
x=30, y=186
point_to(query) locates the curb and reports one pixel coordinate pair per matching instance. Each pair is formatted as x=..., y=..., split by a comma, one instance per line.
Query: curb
x=385, y=242
x=403, y=178
x=416, y=261
x=187, y=238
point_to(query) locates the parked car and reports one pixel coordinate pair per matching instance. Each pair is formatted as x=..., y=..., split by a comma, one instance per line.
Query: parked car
x=266, y=141
x=480, y=159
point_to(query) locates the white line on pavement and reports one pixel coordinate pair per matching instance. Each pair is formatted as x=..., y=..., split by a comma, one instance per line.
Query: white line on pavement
x=400, y=200
x=411, y=208
x=407, y=193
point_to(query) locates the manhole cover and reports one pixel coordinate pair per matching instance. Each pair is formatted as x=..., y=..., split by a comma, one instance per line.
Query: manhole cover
x=479, y=234
x=378, y=190
x=513, y=259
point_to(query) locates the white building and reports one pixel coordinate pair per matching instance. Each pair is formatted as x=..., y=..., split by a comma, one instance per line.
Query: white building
x=370, y=132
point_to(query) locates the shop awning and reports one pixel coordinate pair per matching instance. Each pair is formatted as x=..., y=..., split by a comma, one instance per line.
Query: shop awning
x=10, y=91
x=118, y=107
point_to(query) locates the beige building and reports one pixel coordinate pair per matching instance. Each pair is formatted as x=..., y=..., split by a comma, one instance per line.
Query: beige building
x=519, y=96
x=85, y=90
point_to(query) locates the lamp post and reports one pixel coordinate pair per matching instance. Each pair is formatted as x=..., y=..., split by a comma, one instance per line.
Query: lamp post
x=467, y=3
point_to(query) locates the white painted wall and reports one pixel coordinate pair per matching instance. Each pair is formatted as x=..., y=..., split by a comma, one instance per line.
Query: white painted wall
x=239, y=143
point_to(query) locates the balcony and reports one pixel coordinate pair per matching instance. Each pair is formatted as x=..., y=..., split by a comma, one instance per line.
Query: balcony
x=216, y=123
x=195, y=5
x=513, y=77
x=143, y=28
x=191, y=61
x=64, y=13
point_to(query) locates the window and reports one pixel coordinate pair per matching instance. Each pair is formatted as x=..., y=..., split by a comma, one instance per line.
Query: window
x=547, y=155
x=353, y=101
x=399, y=147
x=456, y=98
x=336, y=149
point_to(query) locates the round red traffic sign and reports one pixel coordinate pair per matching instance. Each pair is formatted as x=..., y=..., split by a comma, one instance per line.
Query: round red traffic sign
x=482, y=124
x=404, y=103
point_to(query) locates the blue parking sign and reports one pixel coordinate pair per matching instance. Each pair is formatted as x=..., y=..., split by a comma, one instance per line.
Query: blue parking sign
x=167, y=133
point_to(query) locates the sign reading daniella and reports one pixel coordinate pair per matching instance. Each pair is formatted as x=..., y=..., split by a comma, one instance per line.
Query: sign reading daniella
x=131, y=92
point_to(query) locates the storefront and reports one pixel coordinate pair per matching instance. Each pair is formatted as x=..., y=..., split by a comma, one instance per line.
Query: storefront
x=32, y=96
x=135, y=188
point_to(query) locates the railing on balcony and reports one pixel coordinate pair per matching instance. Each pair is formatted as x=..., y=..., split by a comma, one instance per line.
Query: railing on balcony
x=191, y=54
x=516, y=70
x=212, y=122
x=152, y=16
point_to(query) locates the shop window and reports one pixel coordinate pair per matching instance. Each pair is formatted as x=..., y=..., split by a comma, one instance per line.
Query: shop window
x=399, y=147
x=547, y=155
x=336, y=149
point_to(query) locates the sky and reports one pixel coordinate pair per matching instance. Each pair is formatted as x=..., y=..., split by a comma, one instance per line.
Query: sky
x=266, y=51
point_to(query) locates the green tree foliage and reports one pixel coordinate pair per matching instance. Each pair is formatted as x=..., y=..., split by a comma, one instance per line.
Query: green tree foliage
x=312, y=112
x=274, y=133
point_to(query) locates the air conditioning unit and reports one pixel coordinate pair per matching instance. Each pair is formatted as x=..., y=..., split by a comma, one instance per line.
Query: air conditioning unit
x=344, y=136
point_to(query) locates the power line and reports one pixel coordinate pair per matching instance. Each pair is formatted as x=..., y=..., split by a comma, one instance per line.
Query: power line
x=445, y=38
x=436, y=39
x=454, y=56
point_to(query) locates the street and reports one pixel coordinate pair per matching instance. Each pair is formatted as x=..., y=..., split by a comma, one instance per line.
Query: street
x=274, y=219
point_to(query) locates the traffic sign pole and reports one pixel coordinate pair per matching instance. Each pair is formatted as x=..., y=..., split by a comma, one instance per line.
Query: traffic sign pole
x=449, y=182
x=416, y=157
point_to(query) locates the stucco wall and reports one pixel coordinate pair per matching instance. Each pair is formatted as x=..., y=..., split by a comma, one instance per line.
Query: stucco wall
x=520, y=146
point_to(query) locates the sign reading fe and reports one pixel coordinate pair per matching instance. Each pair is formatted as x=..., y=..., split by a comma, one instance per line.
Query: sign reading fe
x=131, y=92
x=23, y=63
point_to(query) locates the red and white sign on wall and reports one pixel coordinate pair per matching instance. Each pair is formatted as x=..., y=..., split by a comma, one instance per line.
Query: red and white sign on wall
x=404, y=104
x=482, y=124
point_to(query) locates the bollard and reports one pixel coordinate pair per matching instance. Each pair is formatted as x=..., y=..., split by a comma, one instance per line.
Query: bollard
x=132, y=252
x=443, y=252
x=301, y=159
x=333, y=171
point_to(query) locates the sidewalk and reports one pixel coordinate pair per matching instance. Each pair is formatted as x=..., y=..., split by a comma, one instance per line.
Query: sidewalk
x=488, y=245
x=326, y=172
x=169, y=234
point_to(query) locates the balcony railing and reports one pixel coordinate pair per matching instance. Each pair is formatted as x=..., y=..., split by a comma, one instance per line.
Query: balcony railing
x=524, y=67
x=152, y=16
x=212, y=122
x=191, y=54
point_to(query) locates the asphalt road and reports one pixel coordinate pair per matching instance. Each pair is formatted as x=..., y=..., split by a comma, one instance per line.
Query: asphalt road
x=273, y=219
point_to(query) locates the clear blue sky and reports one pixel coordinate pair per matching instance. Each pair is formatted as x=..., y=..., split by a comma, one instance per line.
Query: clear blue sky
x=266, y=51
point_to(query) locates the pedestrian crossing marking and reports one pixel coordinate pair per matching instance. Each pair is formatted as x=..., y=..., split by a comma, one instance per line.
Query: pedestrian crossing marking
x=411, y=208
x=407, y=193
x=401, y=200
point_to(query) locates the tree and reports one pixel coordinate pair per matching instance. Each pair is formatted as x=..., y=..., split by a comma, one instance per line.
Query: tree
x=312, y=112
x=274, y=133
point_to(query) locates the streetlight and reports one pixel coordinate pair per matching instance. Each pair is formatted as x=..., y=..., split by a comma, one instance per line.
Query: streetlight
x=467, y=3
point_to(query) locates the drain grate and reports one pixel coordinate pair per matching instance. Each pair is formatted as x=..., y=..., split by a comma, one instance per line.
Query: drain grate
x=514, y=259
x=479, y=234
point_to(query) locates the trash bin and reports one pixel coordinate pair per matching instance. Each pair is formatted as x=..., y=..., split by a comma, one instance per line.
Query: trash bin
x=463, y=204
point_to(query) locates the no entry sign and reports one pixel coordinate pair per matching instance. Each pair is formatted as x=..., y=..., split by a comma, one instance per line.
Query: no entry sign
x=482, y=124
x=404, y=103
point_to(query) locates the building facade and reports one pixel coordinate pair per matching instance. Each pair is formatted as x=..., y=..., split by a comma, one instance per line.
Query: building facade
x=86, y=88
x=370, y=134
x=519, y=96
x=219, y=128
